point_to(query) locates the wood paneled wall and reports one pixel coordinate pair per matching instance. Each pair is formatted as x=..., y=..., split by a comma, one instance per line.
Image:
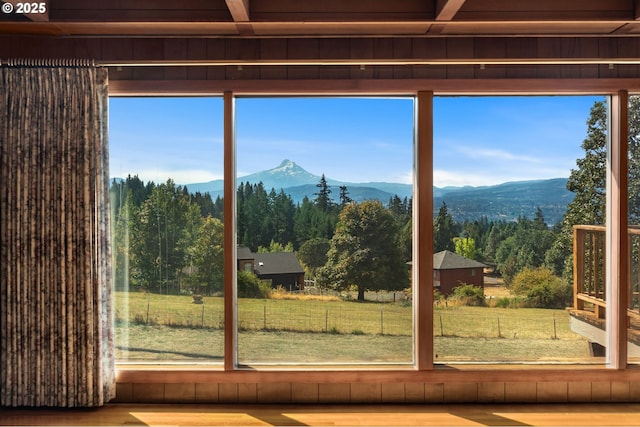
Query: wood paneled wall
x=393, y=392
x=343, y=58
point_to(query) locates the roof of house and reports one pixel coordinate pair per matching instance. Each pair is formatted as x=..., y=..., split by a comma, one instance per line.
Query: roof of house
x=447, y=260
x=277, y=263
x=244, y=253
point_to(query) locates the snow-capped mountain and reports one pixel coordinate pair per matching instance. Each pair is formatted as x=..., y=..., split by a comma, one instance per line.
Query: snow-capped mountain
x=297, y=182
x=287, y=174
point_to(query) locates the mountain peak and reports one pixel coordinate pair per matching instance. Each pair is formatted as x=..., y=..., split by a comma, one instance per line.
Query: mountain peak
x=287, y=163
x=287, y=174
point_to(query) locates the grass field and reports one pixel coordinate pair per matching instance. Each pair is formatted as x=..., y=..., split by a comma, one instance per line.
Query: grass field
x=160, y=327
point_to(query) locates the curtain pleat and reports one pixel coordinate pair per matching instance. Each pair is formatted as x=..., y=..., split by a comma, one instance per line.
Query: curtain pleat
x=56, y=311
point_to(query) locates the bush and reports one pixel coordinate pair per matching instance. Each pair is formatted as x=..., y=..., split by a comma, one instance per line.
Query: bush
x=503, y=302
x=438, y=298
x=249, y=286
x=541, y=288
x=469, y=295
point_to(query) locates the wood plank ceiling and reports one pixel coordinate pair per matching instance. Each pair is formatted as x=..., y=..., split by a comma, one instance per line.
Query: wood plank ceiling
x=327, y=18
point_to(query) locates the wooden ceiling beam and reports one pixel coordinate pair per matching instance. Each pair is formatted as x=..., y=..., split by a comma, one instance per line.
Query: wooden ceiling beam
x=239, y=10
x=240, y=13
x=447, y=9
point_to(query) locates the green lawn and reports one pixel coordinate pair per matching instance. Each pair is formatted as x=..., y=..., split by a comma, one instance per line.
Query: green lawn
x=164, y=327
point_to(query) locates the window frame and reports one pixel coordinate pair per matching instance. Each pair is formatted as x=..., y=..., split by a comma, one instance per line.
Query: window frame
x=424, y=369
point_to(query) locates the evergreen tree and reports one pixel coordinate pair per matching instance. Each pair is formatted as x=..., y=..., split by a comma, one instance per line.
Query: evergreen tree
x=344, y=196
x=323, y=196
x=132, y=187
x=478, y=230
x=444, y=230
x=283, y=213
x=310, y=221
x=205, y=202
x=525, y=248
x=255, y=223
x=493, y=240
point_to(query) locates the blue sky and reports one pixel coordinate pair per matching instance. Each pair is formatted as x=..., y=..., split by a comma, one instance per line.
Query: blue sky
x=478, y=140
x=490, y=140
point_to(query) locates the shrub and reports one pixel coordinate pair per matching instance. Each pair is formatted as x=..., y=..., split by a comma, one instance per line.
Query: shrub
x=249, y=286
x=438, y=298
x=541, y=288
x=469, y=295
x=503, y=302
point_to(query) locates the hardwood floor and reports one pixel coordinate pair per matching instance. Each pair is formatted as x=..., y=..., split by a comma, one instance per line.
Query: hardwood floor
x=623, y=414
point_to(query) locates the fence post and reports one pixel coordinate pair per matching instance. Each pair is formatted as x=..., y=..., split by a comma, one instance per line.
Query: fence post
x=264, y=316
x=381, y=321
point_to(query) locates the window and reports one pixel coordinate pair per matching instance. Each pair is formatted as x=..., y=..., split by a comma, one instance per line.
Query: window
x=166, y=169
x=502, y=169
x=294, y=309
x=324, y=209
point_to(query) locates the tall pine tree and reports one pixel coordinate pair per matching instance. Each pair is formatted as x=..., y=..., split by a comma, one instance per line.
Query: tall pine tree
x=444, y=230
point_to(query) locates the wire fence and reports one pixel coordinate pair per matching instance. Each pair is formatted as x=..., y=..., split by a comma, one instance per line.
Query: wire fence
x=356, y=318
x=343, y=317
x=503, y=323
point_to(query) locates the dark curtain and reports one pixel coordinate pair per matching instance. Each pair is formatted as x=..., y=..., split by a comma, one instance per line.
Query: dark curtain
x=55, y=260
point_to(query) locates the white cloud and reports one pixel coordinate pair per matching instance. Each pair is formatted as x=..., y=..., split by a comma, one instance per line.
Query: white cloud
x=495, y=154
x=405, y=178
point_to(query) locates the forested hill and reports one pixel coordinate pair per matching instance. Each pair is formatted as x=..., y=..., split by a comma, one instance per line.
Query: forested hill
x=505, y=201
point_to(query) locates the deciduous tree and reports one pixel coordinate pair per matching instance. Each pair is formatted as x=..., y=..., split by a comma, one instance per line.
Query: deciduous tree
x=313, y=253
x=206, y=256
x=364, y=252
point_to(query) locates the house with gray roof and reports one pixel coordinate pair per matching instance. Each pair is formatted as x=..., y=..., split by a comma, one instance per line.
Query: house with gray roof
x=451, y=270
x=281, y=268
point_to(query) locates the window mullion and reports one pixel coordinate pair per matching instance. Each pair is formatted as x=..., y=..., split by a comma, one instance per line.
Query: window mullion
x=423, y=232
x=230, y=294
x=617, y=237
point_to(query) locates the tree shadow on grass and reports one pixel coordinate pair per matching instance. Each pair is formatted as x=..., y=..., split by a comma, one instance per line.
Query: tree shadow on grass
x=177, y=353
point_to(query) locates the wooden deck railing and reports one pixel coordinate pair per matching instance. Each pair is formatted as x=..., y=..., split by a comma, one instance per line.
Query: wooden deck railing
x=589, y=270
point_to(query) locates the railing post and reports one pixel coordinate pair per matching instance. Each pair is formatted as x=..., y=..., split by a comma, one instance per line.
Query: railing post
x=578, y=267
